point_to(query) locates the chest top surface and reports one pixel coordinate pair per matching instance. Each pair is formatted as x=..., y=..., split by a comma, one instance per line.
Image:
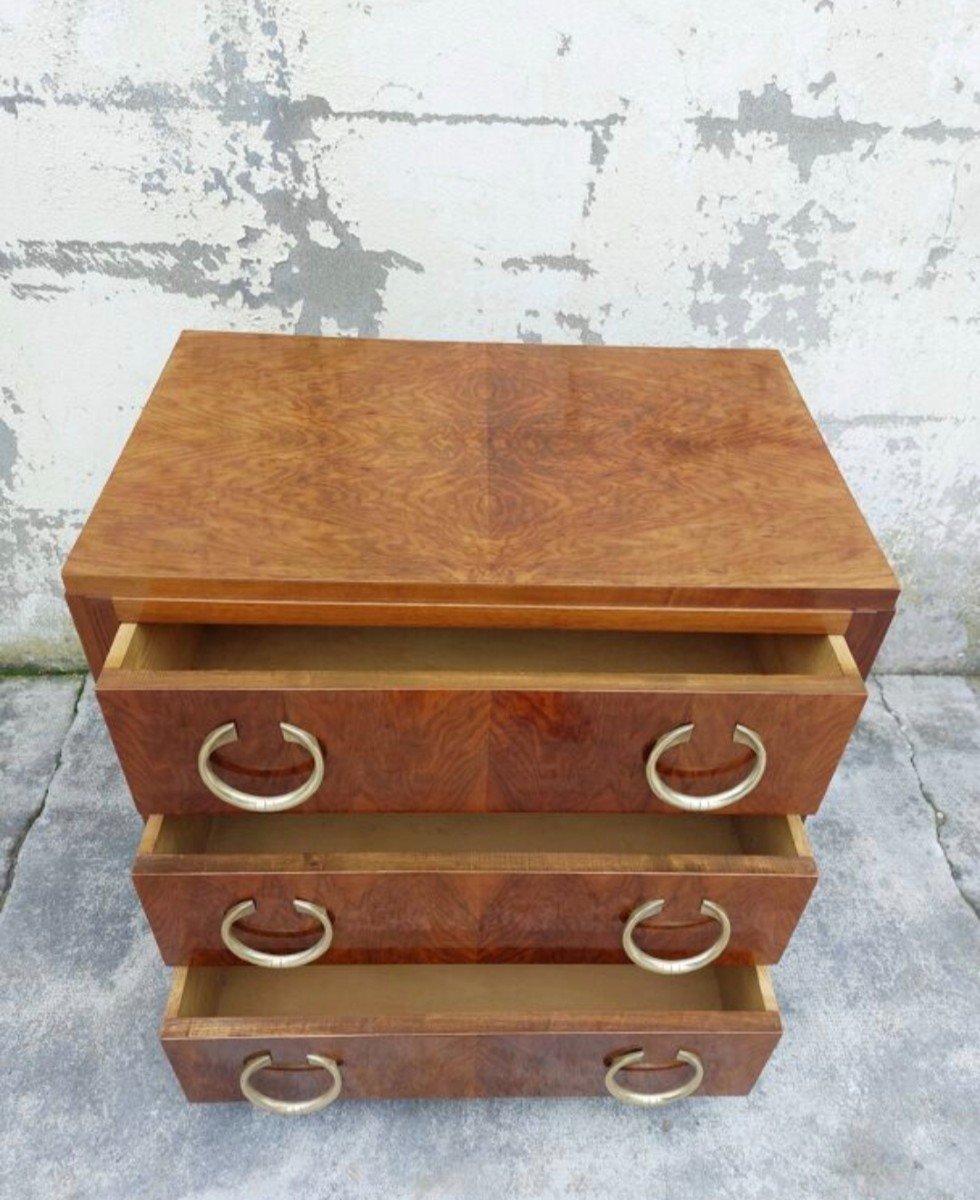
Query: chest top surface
x=295, y=468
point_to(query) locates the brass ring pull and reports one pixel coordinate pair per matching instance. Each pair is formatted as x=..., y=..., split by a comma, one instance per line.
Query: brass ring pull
x=260, y=958
x=289, y=1108
x=675, y=966
x=653, y=1099
x=677, y=737
x=224, y=735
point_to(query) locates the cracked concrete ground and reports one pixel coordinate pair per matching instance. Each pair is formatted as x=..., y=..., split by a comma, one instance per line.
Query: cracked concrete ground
x=34, y=717
x=874, y=1090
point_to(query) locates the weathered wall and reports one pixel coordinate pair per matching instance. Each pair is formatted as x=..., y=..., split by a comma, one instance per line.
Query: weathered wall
x=798, y=173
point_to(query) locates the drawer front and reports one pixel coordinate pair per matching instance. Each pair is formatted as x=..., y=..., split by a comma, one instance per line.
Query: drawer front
x=398, y=1032
x=477, y=751
x=514, y=902
x=468, y=1066
x=392, y=748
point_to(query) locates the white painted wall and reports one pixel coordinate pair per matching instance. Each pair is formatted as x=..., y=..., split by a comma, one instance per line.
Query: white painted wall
x=780, y=172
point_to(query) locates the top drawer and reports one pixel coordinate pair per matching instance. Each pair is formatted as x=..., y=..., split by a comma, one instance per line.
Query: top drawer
x=211, y=718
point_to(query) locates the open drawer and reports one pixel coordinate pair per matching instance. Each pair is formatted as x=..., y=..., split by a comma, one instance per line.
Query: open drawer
x=209, y=718
x=294, y=1041
x=671, y=892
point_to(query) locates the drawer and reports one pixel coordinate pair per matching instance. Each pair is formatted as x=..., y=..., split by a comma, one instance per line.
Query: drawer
x=674, y=892
x=208, y=717
x=439, y=1031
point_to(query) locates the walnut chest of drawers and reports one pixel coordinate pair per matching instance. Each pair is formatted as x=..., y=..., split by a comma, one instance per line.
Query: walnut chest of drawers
x=474, y=697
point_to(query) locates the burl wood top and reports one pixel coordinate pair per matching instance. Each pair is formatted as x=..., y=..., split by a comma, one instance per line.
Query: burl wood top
x=282, y=468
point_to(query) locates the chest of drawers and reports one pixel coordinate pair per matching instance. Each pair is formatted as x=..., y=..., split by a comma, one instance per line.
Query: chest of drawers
x=474, y=697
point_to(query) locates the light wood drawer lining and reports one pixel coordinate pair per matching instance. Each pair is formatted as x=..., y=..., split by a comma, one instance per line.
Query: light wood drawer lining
x=461, y=658
x=431, y=841
x=424, y=998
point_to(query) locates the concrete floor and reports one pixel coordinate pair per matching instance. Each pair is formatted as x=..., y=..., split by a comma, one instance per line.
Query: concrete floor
x=874, y=1090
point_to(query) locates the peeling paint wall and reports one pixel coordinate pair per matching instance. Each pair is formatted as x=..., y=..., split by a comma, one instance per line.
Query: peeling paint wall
x=796, y=173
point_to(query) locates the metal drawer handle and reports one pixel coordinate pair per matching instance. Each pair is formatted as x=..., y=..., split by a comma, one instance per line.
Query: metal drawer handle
x=677, y=737
x=289, y=1108
x=653, y=1099
x=259, y=958
x=224, y=735
x=675, y=966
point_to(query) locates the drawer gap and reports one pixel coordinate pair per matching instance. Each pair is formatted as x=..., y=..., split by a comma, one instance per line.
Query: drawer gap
x=517, y=658
x=337, y=994
x=435, y=836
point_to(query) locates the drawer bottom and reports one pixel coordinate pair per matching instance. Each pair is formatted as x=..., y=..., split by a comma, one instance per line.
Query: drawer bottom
x=466, y=1031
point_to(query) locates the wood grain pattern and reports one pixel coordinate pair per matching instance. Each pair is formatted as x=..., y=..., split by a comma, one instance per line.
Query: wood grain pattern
x=865, y=634
x=432, y=751
x=96, y=623
x=486, y=888
x=496, y=491
x=459, y=1031
x=529, y=614
x=289, y=469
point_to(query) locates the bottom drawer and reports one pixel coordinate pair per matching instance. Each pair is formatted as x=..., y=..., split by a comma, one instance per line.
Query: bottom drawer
x=467, y=1030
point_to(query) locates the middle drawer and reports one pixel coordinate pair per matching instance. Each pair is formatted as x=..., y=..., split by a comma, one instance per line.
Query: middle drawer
x=673, y=892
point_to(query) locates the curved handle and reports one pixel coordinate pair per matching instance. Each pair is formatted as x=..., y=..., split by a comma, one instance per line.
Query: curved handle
x=675, y=966
x=289, y=1108
x=677, y=737
x=260, y=958
x=224, y=735
x=653, y=1099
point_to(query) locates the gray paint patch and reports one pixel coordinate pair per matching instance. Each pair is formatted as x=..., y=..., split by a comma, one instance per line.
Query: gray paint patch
x=187, y=267
x=930, y=271
x=602, y=125
x=343, y=282
x=12, y=101
x=580, y=325
x=8, y=438
x=550, y=262
x=8, y=453
x=806, y=138
x=154, y=98
x=813, y=216
x=601, y=135
x=44, y=292
x=833, y=426
x=10, y=400
x=249, y=84
x=936, y=131
x=871, y=276
x=818, y=89
x=756, y=295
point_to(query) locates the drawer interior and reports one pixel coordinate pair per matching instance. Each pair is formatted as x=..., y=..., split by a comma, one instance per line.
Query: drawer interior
x=426, y=993
x=514, y=658
x=430, y=840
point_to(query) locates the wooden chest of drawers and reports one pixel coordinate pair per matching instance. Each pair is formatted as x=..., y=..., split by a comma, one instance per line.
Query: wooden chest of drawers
x=474, y=696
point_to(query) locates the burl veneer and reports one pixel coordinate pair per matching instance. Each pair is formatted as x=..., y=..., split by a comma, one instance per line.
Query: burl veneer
x=496, y=679
x=474, y=888
x=333, y=481
x=433, y=1031
x=476, y=720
